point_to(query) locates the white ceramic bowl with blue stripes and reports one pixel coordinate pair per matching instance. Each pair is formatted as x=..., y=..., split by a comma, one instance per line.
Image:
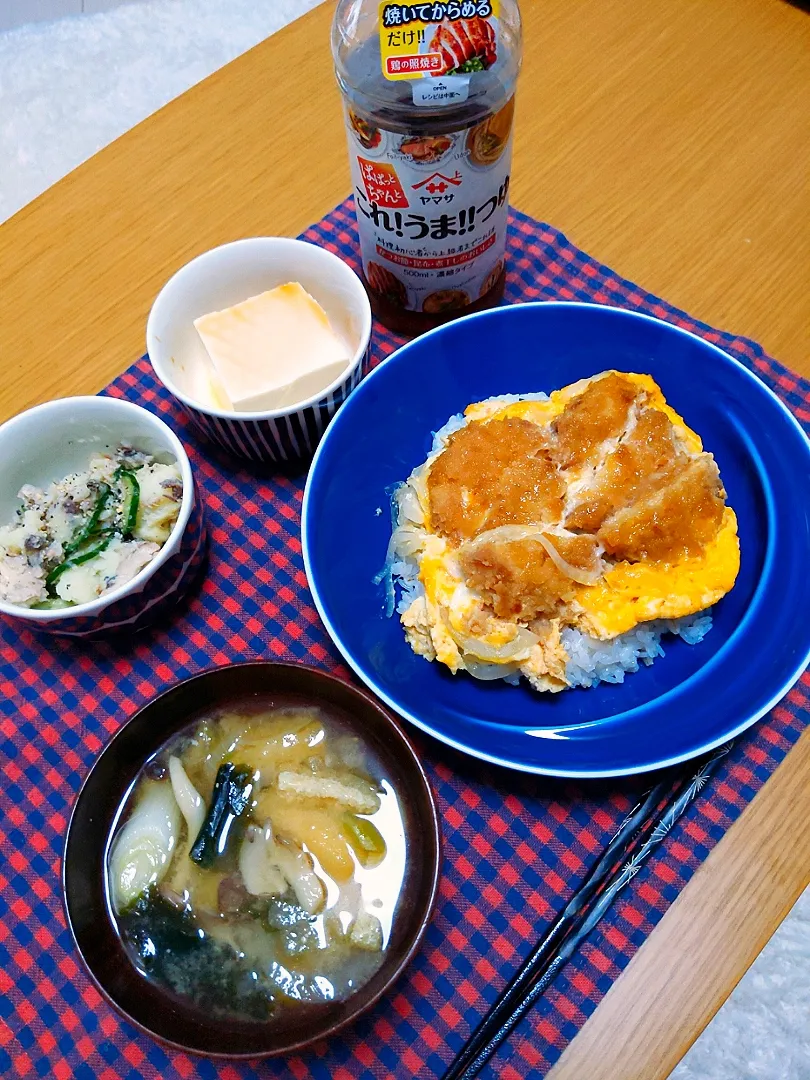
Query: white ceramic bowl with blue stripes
x=225, y=276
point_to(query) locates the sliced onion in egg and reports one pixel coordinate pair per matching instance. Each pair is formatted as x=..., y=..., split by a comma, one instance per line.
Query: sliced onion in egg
x=576, y=573
x=489, y=672
x=406, y=541
x=409, y=504
x=513, y=651
x=513, y=533
x=417, y=482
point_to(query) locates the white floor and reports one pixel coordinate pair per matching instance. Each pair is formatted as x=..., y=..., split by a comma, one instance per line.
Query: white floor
x=68, y=88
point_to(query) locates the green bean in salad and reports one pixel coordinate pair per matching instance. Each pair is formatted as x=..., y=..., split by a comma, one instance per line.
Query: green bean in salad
x=90, y=527
x=130, y=499
x=78, y=558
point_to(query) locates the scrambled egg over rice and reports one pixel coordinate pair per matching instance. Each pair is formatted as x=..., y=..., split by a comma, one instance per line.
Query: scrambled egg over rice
x=540, y=523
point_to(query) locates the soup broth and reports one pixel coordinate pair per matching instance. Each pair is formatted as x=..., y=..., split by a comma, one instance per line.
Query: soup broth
x=258, y=862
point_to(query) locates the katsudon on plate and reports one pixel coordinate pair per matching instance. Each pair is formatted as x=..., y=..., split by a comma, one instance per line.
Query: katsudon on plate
x=559, y=537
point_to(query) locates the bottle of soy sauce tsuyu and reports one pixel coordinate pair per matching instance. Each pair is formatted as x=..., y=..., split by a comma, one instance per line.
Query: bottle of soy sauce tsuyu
x=429, y=97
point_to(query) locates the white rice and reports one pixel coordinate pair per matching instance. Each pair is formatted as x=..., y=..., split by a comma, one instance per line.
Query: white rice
x=405, y=573
x=441, y=436
x=591, y=660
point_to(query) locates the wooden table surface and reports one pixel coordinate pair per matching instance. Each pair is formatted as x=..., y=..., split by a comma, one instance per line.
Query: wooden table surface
x=671, y=141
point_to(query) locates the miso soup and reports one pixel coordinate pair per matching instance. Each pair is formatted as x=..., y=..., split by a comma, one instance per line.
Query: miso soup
x=258, y=862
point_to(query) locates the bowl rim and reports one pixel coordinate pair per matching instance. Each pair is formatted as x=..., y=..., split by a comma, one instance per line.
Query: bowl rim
x=420, y=723
x=94, y=607
x=161, y=370
x=408, y=954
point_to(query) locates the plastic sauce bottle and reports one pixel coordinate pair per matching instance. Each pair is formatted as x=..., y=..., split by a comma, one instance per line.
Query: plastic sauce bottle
x=429, y=93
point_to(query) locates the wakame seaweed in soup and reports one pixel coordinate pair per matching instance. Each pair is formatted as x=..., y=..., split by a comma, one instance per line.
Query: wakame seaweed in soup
x=258, y=863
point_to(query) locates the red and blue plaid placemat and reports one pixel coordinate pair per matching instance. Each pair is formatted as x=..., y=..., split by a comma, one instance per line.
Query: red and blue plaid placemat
x=516, y=846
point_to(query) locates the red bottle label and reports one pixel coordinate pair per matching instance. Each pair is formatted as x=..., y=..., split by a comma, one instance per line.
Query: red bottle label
x=432, y=210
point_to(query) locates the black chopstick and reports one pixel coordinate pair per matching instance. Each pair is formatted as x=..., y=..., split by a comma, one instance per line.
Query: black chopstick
x=644, y=827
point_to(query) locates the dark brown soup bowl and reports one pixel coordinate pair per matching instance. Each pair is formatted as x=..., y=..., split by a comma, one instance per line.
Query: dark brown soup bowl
x=155, y=1010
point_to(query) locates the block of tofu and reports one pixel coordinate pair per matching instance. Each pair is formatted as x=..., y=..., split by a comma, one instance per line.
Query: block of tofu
x=273, y=350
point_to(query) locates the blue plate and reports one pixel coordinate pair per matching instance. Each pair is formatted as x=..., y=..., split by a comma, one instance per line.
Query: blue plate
x=694, y=698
